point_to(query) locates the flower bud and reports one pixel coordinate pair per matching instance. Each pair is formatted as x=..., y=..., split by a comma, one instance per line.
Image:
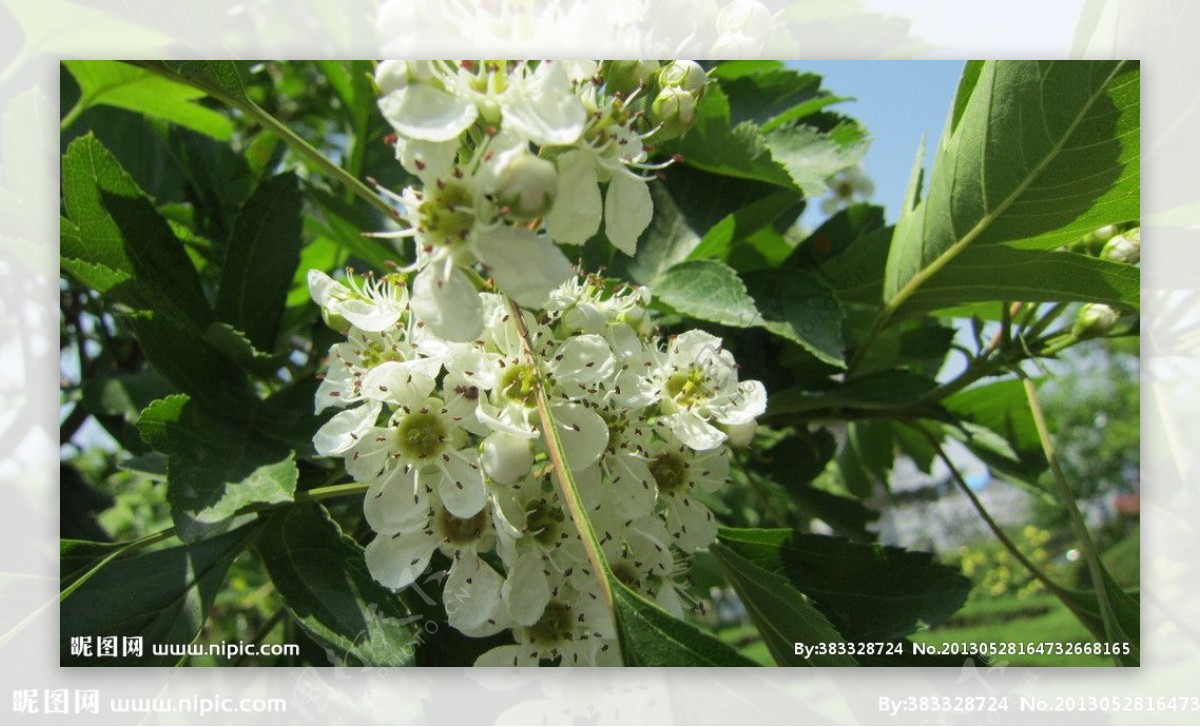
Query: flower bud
x=1094, y=240
x=527, y=186
x=740, y=435
x=1094, y=319
x=584, y=318
x=686, y=75
x=506, y=458
x=674, y=112
x=1124, y=248
x=625, y=77
x=335, y=321
x=395, y=75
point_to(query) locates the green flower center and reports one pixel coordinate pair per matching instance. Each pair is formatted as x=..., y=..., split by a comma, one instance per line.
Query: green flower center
x=687, y=388
x=545, y=521
x=462, y=531
x=376, y=354
x=617, y=425
x=447, y=215
x=420, y=436
x=519, y=385
x=555, y=626
x=670, y=472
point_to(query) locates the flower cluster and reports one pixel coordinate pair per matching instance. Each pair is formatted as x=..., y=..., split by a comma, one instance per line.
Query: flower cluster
x=514, y=157
x=448, y=436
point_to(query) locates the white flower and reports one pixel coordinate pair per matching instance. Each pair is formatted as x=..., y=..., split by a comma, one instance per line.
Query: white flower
x=845, y=187
x=472, y=590
x=456, y=222
x=440, y=106
x=421, y=437
x=627, y=208
x=639, y=555
x=699, y=386
x=679, y=472
x=368, y=304
x=573, y=630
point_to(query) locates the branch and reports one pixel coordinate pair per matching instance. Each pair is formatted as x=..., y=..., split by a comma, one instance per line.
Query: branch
x=1077, y=524
x=567, y=488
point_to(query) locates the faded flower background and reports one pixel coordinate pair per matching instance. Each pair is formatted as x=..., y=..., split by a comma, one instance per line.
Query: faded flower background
x=34, y=36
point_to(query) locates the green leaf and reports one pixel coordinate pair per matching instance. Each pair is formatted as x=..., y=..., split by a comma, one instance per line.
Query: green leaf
x=798, y=306
x=234, y=345
x=783, y=615
x=714, y=144
x=649, y=636
x=871, y=446
x=125, y=394
x=325, y=585
x=882, y=390
x=770, y=94
x=179, y=352
x=795, y=306
x=1126, y=610
x=218, y=466
x=112, y=83
x=709, y=290
x=1003, y=408
x=1037, y=155
x=77, y=557
x=837, y=236
x=117, y=241
x=869, y=592
x=219, y=78
x=811, y=156
x=162, y=596
x=260, y=260
x=723, y=239
x=1002, y=273
x=794, y=462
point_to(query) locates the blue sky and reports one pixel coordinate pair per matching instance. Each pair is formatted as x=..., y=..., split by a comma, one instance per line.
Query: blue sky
x=898, y=101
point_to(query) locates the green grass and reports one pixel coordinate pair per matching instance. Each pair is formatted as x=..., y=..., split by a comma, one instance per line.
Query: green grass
x=986, y=619
x=1008, y=618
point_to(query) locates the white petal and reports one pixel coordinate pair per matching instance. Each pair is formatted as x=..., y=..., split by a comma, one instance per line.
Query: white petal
x=526, y=267
x=397, y=561
x=337, y=388
x=323, y=288
x=366, y=459
x=749, y=403
x=405, y=383
x=694, y=431
x=691, y=523
x=632, y=486
x=584, y=434
x=696, y=347
x=424, y=112
x=461, y=486
x=582, y=360
x=450, y=307
x=341, y=432
x=627, y=211
x=544, y=109
x=429, y=160
x=526, y=590
x=507, y=655
x=512, y=419
x=472, y=592
x=577, y=215
x=392, y=504
x=668, y=599
x=506, y=458
x=367, y=316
